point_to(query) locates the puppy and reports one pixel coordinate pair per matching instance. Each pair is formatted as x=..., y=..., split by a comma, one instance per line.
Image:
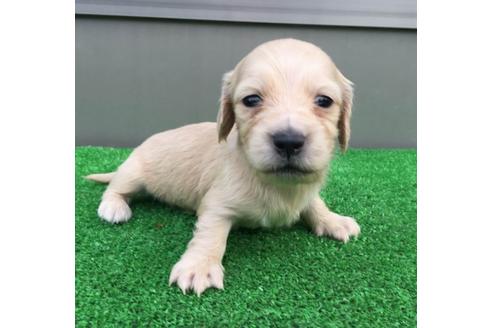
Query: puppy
x=288, y=103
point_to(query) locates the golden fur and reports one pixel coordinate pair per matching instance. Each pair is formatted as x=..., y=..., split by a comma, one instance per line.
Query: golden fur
x=227, y=175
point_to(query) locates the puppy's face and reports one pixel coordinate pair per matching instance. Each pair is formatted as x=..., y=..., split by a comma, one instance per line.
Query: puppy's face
x=289, y=103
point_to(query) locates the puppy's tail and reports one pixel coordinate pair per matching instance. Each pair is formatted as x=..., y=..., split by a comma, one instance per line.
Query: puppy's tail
x=101, y=177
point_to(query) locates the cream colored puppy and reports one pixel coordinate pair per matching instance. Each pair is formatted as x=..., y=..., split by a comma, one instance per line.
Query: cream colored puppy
x=288, y=103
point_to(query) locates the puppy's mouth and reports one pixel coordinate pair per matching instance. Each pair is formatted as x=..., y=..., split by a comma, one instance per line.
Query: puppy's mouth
x=289, y=170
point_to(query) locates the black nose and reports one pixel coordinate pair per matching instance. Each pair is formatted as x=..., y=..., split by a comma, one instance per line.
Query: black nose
x=288, y=142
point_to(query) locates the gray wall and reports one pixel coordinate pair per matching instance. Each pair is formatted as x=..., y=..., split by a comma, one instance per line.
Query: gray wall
x=139, y=76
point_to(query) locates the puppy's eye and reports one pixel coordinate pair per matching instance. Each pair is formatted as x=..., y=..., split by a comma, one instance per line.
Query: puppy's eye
x=323, y=101
x=252, y=101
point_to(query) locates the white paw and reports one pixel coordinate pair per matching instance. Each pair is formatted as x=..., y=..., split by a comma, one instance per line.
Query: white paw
x=338, y=227
x=114, y=210
x=197, y=274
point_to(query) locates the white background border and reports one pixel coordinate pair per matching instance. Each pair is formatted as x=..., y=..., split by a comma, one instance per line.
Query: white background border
x=37, y=274
x=454, y=164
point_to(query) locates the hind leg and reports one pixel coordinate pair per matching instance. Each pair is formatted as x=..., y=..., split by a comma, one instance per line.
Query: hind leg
x=126, y=182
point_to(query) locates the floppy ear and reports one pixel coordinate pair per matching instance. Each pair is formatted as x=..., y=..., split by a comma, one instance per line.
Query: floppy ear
x=346, y=113
x=225, y=117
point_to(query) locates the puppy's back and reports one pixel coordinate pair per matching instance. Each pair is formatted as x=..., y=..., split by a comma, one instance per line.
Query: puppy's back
x=179, y=165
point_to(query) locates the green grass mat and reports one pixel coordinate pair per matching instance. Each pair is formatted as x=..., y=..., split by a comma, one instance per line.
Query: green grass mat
x=277, y=278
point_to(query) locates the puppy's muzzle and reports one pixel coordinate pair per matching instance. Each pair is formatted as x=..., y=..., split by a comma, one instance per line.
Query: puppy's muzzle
x=288, y=143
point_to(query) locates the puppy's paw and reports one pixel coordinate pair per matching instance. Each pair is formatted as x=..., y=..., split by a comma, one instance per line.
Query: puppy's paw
x=338, y=227
x=114, y=210
x=197, y=274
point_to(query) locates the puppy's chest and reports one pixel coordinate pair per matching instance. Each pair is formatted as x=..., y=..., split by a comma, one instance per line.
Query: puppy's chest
x=271, y=212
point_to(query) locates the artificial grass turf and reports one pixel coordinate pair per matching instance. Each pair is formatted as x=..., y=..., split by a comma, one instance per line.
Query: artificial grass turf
x=280, y=278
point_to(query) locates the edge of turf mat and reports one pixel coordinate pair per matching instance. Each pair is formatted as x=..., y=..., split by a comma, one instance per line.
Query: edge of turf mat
x=282, y=277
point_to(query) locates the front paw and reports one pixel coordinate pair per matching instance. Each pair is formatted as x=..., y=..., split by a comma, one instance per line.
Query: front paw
x=338, y=227
x=197, y=274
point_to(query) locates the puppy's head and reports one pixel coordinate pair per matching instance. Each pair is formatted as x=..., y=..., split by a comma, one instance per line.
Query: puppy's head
x=289, y=103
